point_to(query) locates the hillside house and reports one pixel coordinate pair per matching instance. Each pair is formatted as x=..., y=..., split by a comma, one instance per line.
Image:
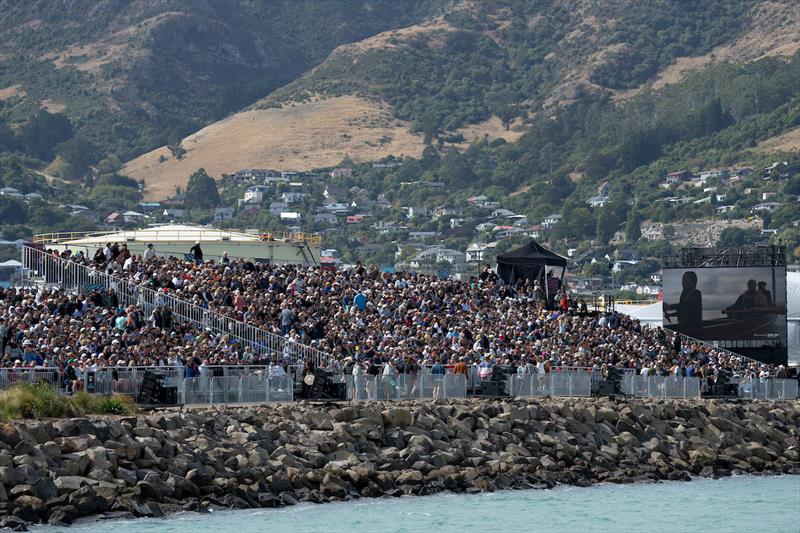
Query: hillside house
x=479, y=252
x=31, y=196
x=502, y=213
x=174, y=213
x=448, y=255
x=355, y=219
x=551, y=220
x=536, y=231
x=485, y=226
x=604, y=189
x=326, y=218
x=426, y=256
x=11, y=192
x=587, y=284
x=276, y=208
x=621, y=265
x=256, y=194
x=725, y=208
x=293, y=197
x=504, y=232
x=774, y=170
x=149, y=207
x=414, y=212
x=456, y=222
x=290, y=217
x=420, y=235
x=597, y=201
x=223, y=213
x=252, y=174
x=767, y=195
x=475, y=200
x=337, y=208
x=768, y=207
x=384, y=227
x=332, y=192
x=719, y=173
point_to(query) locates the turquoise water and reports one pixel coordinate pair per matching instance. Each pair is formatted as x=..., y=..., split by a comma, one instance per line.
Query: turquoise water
x=741, y=505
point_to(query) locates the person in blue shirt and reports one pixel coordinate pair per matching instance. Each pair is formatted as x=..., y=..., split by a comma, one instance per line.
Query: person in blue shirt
x=360, y=301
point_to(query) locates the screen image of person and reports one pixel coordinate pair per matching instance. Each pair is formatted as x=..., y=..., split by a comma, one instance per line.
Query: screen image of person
x=746, y=301
x=689, y=309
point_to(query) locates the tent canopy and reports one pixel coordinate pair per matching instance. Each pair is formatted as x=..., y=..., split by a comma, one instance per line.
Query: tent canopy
x=527, y=262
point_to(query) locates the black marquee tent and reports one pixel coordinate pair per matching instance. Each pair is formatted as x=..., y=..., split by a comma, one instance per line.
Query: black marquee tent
x=528, y=262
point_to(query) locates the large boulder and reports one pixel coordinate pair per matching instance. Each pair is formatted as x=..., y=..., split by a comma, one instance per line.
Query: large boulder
x=397, y=417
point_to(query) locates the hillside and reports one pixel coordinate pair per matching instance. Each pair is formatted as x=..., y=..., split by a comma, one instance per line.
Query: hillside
x=476, y=64
x=301, y=136
x=132, y=76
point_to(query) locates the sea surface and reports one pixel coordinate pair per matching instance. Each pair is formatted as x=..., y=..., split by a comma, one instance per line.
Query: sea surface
x=738, y=505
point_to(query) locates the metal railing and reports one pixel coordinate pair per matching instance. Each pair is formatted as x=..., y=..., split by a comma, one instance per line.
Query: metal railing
x=31, y=376
x=571, y=384
x=406, y=387
x=769, y=389
x=640, y=386
x=253, y=388
x=71, y=276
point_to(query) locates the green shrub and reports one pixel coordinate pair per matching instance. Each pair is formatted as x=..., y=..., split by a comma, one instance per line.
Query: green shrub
x=84, y=401
x=43, y=401
x=34, y=401
x=114, y=405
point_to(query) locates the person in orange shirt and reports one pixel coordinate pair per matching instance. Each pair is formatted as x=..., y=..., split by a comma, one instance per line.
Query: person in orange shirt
x=460, y=367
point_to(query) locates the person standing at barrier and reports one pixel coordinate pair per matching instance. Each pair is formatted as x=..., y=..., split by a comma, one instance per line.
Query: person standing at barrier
x=438, y=372
x=359, y=381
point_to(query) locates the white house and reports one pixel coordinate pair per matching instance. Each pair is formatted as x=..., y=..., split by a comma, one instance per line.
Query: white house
x=766, y=206
x=479, y=252
x=292, y=197
x=725, y=208
x=255, y=194
x=551, y=220
x=337, y=207
x=485, y=226
x=597, y=201
x=290, y=216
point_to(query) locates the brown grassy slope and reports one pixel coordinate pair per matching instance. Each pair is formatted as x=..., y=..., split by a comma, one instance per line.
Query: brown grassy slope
x=301, y=136
x=786, y=142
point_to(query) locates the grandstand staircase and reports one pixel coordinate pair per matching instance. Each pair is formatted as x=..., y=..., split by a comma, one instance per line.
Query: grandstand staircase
x=49, y=271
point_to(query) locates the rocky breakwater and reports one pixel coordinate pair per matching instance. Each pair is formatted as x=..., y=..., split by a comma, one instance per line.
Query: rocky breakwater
x=59, y=470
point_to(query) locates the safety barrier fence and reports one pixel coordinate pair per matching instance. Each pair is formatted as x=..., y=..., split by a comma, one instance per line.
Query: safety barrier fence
x=71, y=276
x=406, y=387
x=769, y=389
x=640, y=386
x=573, y=384
x=31, y=376
x=253, y=388
x=253, y=384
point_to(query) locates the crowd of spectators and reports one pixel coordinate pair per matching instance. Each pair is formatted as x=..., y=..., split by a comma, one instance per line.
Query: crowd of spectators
x=368, y=321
